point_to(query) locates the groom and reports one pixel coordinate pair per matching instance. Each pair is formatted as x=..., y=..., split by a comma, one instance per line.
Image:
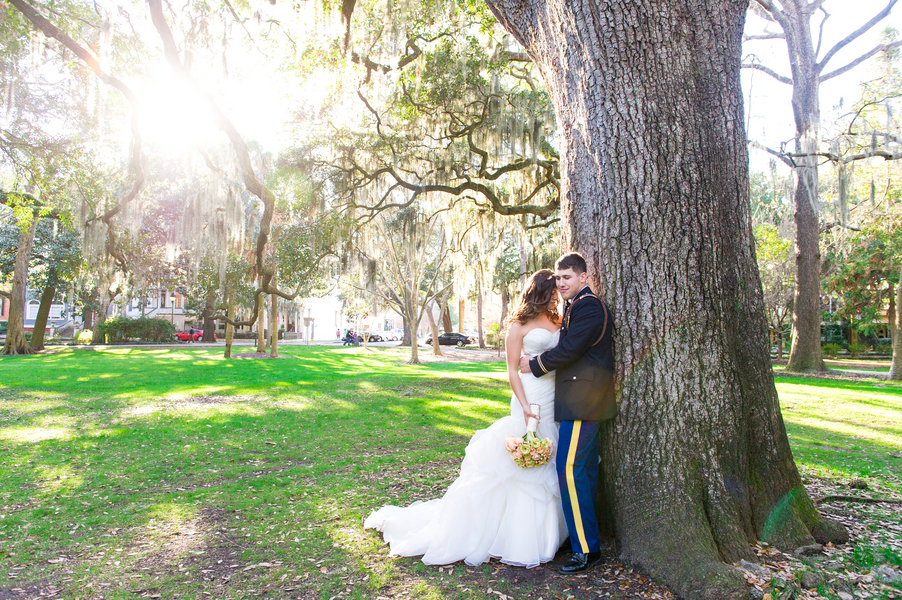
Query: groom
x=583, y=362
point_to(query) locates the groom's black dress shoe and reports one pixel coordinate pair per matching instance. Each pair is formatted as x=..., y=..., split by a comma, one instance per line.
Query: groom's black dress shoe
x=580, y=562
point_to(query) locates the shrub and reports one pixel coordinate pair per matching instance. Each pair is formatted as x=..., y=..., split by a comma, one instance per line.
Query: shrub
x=493, y=336
x=830, y=349
x=883, y=348
x=120, y=330
x=855, y=349
x=85, y=337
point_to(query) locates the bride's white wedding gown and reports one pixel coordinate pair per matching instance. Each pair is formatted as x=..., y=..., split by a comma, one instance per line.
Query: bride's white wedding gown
x=494, y=508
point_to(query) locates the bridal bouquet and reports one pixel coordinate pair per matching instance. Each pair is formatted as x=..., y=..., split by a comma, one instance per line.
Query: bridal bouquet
x=529, y=450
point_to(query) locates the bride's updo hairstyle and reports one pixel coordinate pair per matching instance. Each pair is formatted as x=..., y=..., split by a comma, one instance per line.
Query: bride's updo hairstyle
x=536, y=299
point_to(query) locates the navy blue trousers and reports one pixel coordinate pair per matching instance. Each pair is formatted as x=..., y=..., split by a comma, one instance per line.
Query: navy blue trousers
x=577, y=473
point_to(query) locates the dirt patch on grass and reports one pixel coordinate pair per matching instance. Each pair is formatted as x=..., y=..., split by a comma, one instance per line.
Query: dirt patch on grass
x=177, y=403
x=608, y=579
x=426, y=356
x=257, y=355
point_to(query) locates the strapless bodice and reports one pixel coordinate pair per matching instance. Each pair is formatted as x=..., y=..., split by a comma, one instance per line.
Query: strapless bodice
x=539, y=340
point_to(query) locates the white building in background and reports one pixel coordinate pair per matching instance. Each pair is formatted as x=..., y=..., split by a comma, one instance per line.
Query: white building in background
x=327, y=318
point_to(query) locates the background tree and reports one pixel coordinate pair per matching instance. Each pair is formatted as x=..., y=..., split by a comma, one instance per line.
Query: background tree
x=775, y=265
x=808, y=71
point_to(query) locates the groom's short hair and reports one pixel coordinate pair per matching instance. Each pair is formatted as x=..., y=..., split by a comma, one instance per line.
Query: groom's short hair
x=574, y=261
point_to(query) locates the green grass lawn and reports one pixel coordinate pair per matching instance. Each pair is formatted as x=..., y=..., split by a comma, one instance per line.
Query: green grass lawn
x=175, y=473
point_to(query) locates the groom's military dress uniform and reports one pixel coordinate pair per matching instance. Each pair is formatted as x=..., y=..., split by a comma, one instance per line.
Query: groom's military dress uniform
x=583, y=362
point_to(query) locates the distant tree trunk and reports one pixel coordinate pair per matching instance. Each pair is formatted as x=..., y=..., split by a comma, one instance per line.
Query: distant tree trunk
x=410, y=307
x=89, y=312
x=524, y=262
x=230, y=329
x=654, y=193
x=891, y=310
x=505, y=303
x=15, y=332
x=436, y=347
x=780, y=341
x=895, y=369
x=480, y=334
x=102, y=310
x=261, y=325
x=40, y=322
x=446, y=318
x=274, y=326
x=414, y=350
x=209, y=324
x=405, y=339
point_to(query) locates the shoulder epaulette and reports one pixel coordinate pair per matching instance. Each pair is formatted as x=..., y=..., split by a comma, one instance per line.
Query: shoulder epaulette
x=603, y=329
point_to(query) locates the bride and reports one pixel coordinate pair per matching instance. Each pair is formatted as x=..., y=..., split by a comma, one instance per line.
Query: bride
x=495, y=508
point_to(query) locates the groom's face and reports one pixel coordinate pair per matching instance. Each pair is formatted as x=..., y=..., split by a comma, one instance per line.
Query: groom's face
x=569, y=283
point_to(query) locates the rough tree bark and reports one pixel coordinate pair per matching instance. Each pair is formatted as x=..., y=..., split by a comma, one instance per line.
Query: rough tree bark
x=40, y=321
x=895, y=369
x=654, y=167
x=15, y=332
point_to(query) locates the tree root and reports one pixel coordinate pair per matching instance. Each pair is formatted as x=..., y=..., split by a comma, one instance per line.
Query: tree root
x=825, y=499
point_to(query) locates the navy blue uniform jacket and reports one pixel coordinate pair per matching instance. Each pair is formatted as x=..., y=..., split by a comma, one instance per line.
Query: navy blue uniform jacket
x=583, y=362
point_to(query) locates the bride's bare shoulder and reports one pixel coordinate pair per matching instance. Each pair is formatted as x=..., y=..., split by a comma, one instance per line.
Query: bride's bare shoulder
x=515, y=330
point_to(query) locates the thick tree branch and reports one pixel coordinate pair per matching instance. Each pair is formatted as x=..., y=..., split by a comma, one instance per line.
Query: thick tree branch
x=779, y=154
x=854, y=36
x=859, y=60
x=52, y=31
x=251, y=183
x=764, y=36
x=769, y=71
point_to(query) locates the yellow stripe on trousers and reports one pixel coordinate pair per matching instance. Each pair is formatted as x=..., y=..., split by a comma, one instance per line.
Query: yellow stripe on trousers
x=571, y=487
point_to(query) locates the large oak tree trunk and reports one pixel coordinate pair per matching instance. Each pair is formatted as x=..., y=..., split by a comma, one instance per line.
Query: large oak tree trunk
x=40, y=321
x=15, y=331
x=654, y=189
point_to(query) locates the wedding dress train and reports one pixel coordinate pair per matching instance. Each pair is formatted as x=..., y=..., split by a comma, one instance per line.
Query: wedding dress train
x=494, y=508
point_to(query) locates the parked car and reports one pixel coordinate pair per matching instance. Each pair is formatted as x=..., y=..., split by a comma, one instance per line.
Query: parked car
x=185, y=336
x=372, y=336
x=451, y=339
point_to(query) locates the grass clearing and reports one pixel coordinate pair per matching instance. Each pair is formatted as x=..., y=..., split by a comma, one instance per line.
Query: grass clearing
x=176, y=473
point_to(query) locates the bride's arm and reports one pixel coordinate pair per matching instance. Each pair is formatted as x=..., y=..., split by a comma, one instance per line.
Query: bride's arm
x=513, y=342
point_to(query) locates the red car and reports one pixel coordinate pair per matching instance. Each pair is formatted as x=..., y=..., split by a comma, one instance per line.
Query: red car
x=185, y=336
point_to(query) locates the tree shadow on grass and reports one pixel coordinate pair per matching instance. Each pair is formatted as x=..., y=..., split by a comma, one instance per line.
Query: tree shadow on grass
x=301, y=451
